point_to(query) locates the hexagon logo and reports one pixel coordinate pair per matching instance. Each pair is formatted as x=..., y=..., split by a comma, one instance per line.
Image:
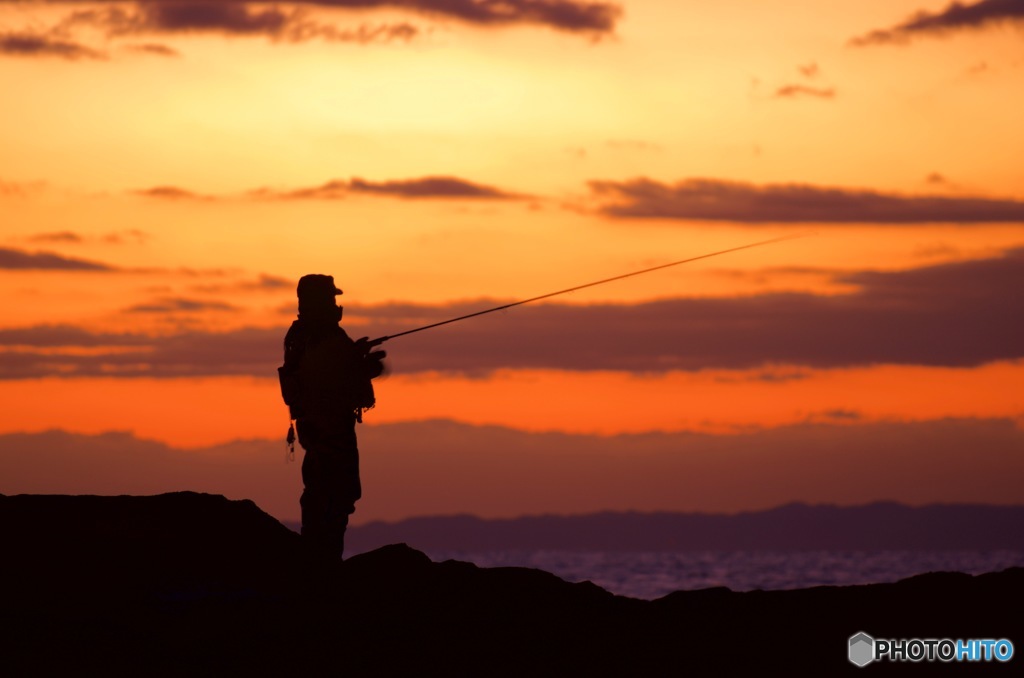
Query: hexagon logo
x=862, y=649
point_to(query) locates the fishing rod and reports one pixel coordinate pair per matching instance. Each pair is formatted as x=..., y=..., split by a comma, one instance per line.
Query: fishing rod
x=380, y=340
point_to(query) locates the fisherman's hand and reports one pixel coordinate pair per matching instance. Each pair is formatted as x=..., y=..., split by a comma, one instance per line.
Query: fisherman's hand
x=364, y=344
x=374, y=359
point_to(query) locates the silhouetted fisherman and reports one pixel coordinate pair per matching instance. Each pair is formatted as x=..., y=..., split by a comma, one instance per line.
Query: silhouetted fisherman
x=326, y=384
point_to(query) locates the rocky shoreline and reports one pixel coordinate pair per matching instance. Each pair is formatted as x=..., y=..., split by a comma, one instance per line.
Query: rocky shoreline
x=194, y=584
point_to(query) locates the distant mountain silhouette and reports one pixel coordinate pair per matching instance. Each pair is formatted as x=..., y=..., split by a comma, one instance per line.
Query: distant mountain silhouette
x=190, y=584
x=881, y=526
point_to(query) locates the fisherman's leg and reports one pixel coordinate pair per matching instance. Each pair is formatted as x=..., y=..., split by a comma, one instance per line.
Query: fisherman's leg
x=317, y=492
x=343, y=487
x=330, y=474
x=314, y=501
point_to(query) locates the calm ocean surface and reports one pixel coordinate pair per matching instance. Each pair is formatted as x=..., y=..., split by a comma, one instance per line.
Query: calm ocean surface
x=652, y=575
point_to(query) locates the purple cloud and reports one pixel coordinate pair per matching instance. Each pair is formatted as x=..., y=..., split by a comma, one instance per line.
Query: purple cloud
x=292, y=20
x=238, y=19
x=28, y=44
x=181, y=305
x=170, y=193
x=410, y=468
x=954, y=315
x=424, y=187
x=719, y=200
x=12, y=259
x=956, y=17
x=959, y=314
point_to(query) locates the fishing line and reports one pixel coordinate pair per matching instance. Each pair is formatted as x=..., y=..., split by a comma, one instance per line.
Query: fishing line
x=761, y=243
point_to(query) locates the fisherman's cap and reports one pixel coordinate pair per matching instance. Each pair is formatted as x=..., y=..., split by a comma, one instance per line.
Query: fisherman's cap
x=317, y=286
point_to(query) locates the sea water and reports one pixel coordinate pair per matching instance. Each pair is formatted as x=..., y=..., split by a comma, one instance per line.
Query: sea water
x=652, y=575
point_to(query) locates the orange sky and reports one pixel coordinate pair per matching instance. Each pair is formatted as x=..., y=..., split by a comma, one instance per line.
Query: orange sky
x=169, y=171
x=213, y=411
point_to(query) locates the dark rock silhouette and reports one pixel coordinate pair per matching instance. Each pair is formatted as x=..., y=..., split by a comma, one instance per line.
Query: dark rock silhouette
x=190, y=584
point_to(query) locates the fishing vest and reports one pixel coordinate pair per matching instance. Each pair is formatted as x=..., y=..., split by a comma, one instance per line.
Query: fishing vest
x=325, y=374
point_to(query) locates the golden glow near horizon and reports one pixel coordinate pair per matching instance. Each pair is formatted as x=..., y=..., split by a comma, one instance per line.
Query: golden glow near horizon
x=719, y=401
x=200, y=182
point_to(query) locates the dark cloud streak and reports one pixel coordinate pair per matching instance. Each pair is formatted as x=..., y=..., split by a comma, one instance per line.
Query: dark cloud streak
x=12, y=259
x=170, y=193
x=180, y=305
x=59, y=236
x=264, y=283
x=293, y=21
x=956, y=17
x=226, y=18
x=719, y=200
x=72, y=238
x=428, y=187
x=952, y=315
x=364, y=34
x=424, y=187
x=187, y=17
x=27, y=44
x=188, y=354
x=437, y=187
x=565, y=15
